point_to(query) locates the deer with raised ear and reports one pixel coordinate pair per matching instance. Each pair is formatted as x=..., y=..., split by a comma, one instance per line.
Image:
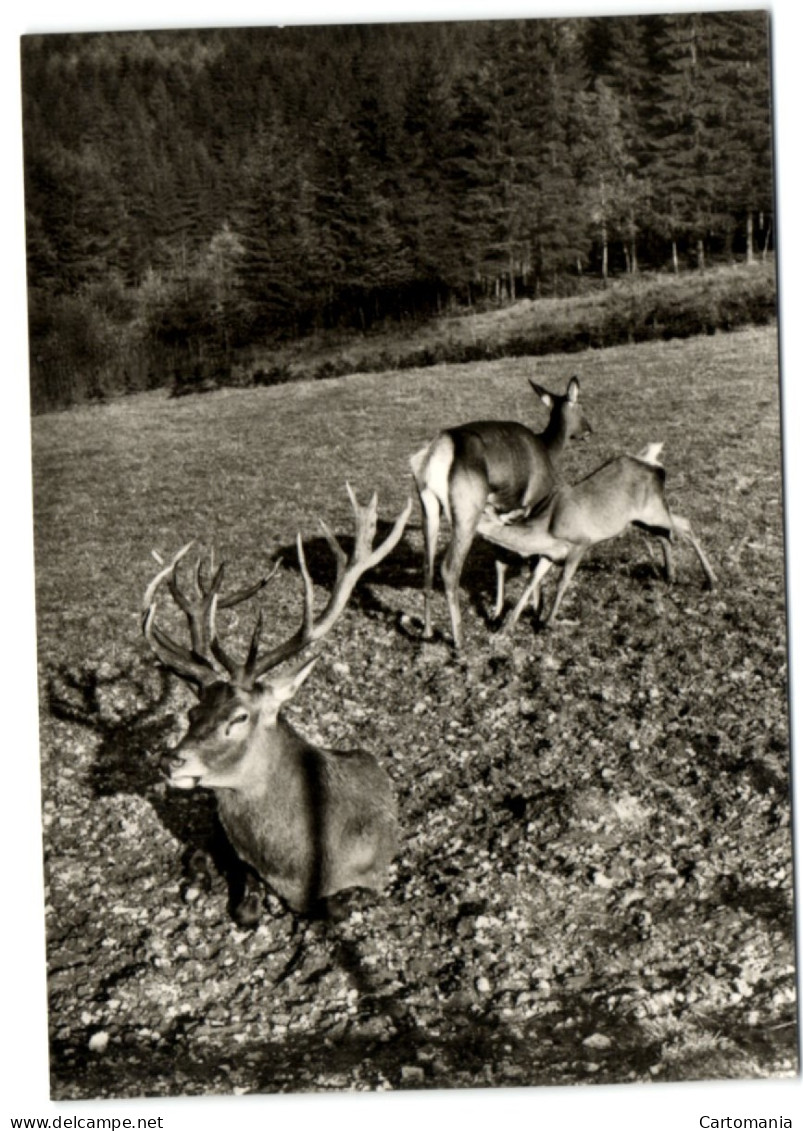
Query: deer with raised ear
x=310, y=822
x=499, y=464
x=625, y=491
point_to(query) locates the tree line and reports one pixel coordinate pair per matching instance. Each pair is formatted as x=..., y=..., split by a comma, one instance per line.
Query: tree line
x=189, y=193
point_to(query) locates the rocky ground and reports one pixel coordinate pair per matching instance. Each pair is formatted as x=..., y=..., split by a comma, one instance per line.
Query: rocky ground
x=594, y=882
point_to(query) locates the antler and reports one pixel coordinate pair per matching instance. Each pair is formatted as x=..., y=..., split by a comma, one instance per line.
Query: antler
x=196, y=663
x=349, y=571
x=202, y=661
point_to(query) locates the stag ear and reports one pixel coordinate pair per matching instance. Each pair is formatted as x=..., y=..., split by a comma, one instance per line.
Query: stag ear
x=284, y=687
x=573, y=390
x=543, y=393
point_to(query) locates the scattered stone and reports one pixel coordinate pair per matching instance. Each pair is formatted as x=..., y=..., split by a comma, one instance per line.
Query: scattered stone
x=98, y=1041
x=412, y=1074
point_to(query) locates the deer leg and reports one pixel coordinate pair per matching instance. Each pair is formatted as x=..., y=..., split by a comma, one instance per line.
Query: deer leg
x=682, y=528
x=468, y=495
x=430, y=521
x=532, y=590
x=569, y=569
x=669, y=562
x=198, y=868
x=247, y=902
x=246, y=891
x=501, y=573
x=245, y=886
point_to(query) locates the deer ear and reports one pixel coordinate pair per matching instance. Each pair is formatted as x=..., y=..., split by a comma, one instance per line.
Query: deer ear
x=573, y=390
x=543, y=393
x=285, y=687
x=651, y=453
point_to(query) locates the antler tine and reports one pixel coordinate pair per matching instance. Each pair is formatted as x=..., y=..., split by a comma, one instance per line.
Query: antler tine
x=203, y=660
x=309, y=592
x=250, y=590
x=150, y=592
x=198, y=578
x=241, y=673
x=196, y=662
x=349, y=571
x=215, y=646
x=199, y=609
x=340, y=555
x=392, y=540
x=365, y=522
x=196, y=669
x=253, y=649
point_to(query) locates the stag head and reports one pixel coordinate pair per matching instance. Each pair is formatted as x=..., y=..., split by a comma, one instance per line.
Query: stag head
x=240, y=698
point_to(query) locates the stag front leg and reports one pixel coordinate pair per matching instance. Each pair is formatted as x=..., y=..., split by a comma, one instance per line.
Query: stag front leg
x=199, y=867
x=218, y=857
x=246, y=892
x=247, y=899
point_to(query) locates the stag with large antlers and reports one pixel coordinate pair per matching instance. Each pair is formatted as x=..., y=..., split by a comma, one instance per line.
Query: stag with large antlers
x=310, y=822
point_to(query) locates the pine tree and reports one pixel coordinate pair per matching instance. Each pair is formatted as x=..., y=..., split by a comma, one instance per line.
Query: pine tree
x=739, y=75
x=273, y=262
x=684, y=174
x=556, y=79
x=616, y=52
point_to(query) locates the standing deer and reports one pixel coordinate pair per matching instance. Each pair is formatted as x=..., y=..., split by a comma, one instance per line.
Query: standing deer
x=310, y=822
x=496, y=463
x=627, y=490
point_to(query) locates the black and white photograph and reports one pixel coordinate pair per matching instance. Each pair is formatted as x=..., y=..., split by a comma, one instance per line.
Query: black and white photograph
x=409, y=436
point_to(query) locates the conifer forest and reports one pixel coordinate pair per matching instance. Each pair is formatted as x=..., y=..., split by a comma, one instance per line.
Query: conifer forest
x=192, y=194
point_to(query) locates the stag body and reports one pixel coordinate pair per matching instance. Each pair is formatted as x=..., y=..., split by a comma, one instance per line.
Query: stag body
x=501, y=464
x=310, y=822
x=625, y=491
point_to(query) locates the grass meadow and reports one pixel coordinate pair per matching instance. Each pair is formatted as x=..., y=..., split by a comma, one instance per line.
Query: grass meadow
x=595, y=880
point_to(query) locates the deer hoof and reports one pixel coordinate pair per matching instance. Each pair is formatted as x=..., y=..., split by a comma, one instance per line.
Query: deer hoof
x=198, y=868
x=337, y=908
x=248, y=912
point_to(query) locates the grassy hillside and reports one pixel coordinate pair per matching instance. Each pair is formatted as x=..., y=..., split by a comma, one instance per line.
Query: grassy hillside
x=641, y=308
x=595, y=876
x=84, y=362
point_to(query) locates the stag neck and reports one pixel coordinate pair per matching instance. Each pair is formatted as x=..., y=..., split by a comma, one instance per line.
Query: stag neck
x=285, y=740
x=278, y=748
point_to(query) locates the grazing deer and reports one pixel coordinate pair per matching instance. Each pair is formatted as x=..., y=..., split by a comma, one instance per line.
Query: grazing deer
x=496, y=463
x=627, y=490
x=310, y=822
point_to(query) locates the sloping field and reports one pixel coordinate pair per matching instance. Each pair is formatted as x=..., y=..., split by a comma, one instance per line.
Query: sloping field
x=595, y=879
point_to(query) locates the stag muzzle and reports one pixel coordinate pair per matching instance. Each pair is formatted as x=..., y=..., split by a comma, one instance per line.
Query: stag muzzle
x=175, y=768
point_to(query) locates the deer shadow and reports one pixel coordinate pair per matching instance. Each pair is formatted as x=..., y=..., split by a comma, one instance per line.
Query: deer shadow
x=403, y=570
x=396, y=571
x=130, y=712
